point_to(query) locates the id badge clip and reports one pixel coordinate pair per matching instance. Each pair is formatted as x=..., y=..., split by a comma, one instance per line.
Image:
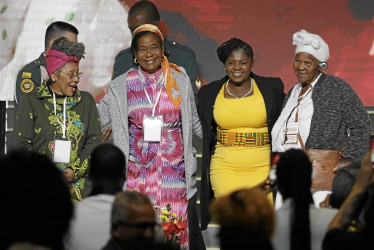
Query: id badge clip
x=152, y=126
x=292, y=130
x=62, y=150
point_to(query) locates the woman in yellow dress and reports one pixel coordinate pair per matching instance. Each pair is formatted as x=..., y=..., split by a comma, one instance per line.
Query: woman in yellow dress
x=237, y=113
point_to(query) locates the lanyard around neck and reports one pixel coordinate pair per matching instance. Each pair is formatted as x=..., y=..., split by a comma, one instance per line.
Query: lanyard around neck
x=64, y=114
x=157, y=99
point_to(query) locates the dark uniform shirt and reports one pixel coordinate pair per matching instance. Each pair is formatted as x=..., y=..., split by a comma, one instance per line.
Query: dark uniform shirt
x=176, y=53
x=29, y=78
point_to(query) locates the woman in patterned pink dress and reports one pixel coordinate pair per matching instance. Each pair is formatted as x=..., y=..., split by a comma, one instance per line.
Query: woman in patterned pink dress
x=153, y=114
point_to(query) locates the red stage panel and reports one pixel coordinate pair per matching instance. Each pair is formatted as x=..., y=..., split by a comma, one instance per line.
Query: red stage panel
x=347, y=26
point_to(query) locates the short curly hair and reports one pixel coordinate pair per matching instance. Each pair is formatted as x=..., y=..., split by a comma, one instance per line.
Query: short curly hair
x=69, y=48
x=226, y=48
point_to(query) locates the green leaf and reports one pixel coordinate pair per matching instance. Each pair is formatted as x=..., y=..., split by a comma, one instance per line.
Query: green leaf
x=168, y=207
x=5, y=34
x=49, y=20
x=3, y=9
x=70, y=16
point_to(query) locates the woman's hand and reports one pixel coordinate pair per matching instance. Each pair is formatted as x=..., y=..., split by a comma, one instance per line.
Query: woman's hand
x=353, y=204
x=365, y=176
x=68, y=174
x=106, y=134
x=264, y=187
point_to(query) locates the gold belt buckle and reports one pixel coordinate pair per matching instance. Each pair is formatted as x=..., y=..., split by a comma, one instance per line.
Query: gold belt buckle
x=231, y=138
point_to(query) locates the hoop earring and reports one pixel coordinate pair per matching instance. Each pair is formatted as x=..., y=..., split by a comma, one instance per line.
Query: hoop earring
x=136, y=61
x=163, y=57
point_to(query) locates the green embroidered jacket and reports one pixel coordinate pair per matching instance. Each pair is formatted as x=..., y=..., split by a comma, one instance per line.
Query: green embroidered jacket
x=37, y=126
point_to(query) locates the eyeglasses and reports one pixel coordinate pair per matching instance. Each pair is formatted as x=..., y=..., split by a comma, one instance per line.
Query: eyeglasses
x=71, y=75
x=142, y=226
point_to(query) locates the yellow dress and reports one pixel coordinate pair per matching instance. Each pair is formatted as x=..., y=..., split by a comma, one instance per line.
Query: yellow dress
x=234, y=167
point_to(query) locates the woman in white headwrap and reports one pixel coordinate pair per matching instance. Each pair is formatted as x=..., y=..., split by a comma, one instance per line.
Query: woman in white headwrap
x=322, y=108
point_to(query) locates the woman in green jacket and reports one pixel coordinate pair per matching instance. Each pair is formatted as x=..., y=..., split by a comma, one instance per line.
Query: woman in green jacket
x=40, y=123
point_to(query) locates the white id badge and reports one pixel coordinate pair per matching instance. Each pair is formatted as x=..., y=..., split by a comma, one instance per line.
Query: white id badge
x=292, y=130
x=62, y=151
x=152, y=128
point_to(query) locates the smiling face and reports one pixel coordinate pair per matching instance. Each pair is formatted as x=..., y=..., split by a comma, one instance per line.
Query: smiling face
x=306, y=68
x=65, y=80
x=238, y=66
x=149, y=52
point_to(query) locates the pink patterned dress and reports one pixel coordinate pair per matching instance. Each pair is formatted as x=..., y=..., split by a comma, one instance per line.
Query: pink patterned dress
x=156, y=168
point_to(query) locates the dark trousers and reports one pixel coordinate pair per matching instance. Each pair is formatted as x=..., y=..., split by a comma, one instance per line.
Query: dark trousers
x=196, y=237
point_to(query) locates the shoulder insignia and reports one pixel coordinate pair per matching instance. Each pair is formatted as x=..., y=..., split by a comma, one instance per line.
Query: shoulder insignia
x=26, y=74
x=27, y=85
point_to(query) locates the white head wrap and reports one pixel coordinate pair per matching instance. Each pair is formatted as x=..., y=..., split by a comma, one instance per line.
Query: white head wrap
x=312, y=44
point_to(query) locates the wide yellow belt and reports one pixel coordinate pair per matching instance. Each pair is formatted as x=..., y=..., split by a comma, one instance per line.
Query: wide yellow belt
x=243, y=139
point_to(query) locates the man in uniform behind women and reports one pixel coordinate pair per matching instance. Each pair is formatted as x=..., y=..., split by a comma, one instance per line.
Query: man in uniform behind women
x=32, y=75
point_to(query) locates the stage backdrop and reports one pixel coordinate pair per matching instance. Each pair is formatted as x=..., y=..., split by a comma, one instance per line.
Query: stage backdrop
x=347, y=26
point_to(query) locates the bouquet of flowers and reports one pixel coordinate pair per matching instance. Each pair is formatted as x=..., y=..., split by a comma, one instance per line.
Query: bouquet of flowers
x=172, y=226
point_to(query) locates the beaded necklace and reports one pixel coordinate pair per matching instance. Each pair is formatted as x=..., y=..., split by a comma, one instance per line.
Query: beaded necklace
x=228, y=91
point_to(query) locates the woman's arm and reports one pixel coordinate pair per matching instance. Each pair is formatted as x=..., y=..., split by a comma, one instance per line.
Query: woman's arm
x=92, y=137
x=103, y=109
x=357, y=121
x=354, y=202
x=196, y=124
x=277, y=103
x=24, y=125
x=202, y=106
x=279, y=92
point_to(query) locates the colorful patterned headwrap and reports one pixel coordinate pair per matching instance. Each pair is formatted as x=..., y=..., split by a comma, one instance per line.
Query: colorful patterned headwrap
x=56, y=59
x=171, y=85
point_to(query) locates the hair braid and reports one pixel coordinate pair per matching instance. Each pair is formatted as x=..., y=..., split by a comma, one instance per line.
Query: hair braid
x=231, y=45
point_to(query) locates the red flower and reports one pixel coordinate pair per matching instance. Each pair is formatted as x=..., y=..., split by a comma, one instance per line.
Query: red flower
x=181, y=226
x=172, y=226
x=168, y=227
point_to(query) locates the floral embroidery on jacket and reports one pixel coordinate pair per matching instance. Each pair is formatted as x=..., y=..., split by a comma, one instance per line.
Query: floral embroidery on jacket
x=74, y=132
